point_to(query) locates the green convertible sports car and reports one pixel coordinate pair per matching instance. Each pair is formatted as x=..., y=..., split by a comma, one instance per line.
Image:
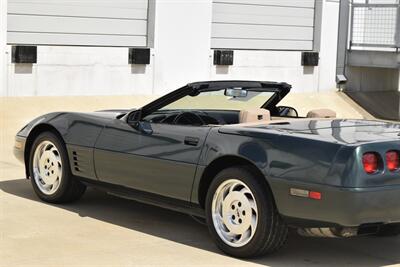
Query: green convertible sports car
x=225, y=151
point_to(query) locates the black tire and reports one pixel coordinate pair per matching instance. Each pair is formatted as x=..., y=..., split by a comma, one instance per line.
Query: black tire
x=271, y=232
x=389, y=230
x=70, y=189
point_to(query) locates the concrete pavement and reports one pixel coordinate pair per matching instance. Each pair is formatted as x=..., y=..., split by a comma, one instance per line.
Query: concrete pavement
x=103, y=230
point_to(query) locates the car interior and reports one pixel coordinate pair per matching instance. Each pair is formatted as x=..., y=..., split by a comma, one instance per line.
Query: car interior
x=228, y=117
x=233, y=116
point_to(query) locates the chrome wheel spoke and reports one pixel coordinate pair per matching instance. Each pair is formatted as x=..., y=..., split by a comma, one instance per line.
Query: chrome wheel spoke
x=246, y=235
x=253, y=222
x=234, y=213
x=56, y=183
x=54, y=150
x=229, y=236
x=245, y=190
x=219, y=218
x=253, y=205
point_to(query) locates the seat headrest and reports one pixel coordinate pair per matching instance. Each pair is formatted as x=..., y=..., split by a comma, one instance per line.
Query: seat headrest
x=321, y=113
x=254, y=115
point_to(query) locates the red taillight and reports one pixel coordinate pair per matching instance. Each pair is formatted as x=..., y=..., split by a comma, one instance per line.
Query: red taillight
x=370, y=162
x=315, y=195
x=392, y=160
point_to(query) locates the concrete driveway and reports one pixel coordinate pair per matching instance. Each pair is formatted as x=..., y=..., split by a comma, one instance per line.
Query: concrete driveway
x=103, y=230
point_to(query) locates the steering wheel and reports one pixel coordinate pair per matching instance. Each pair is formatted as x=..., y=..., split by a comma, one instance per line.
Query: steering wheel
x=287, y=111
x=188, y=118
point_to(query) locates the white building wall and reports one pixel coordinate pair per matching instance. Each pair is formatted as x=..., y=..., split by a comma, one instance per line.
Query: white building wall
x=79, y=71
x=3, y=47
x=281, y=66
x=286, y=66
x=181, y=54
x=329, y=40
x=182, y=43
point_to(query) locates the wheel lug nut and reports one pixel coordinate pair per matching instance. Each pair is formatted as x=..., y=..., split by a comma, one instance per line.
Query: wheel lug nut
x=233, y=217
x=243, y=213
x=233, y=207
x=239, y=204
x=240, y=220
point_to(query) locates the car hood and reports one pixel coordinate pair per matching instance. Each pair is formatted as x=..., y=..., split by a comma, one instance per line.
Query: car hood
x=102, y=116
x=344, y=131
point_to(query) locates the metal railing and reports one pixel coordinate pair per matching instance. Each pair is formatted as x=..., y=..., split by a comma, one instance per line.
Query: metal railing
x=374, y=25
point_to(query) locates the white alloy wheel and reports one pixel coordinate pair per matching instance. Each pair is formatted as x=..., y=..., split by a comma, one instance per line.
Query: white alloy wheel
x=47, y=167
x=234, y=213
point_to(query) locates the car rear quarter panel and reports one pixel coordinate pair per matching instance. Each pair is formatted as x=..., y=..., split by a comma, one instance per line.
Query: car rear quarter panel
x=279, y=157
x=293, y=161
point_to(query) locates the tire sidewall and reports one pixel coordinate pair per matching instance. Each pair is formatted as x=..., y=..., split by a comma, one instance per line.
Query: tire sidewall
x=265, y=210
x=66, y=172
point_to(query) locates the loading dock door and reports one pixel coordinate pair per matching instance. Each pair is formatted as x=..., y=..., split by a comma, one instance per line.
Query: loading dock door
x=77, y=22
x=263, y=24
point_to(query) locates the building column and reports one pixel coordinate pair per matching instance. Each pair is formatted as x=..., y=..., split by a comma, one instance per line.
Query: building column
x=182, y=42
x=328, y=45
x=3, y=47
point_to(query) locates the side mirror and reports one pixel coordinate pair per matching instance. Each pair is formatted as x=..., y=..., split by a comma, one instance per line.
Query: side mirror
x=287, y=111
x=143, y=127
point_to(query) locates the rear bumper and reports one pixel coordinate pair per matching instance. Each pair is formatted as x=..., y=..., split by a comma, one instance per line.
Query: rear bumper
x=19, y=148
x=350, y=207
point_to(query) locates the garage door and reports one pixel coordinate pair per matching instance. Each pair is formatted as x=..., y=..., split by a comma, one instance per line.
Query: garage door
x=263, y=24
x=77, y=22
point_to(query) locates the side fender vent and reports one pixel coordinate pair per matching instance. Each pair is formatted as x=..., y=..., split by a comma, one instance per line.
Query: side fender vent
x=81, y=161
x=75, y=162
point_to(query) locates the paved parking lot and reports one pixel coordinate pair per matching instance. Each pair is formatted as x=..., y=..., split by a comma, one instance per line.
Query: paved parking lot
x=103, y=230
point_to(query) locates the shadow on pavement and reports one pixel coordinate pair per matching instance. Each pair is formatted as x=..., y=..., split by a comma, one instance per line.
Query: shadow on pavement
x=176, y=227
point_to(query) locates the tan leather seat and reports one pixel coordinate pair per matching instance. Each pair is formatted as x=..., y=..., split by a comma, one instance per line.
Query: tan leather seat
x=321, y=113
x=254, y=115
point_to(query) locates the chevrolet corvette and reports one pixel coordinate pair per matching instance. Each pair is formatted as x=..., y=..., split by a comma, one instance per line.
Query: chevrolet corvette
x=226, y=151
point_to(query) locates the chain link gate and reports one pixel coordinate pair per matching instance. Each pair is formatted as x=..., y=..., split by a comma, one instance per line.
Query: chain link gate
x=374, y=25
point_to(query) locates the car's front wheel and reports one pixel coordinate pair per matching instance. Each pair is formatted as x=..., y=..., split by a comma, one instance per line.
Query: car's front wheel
x=241, y=215
x=50, y=172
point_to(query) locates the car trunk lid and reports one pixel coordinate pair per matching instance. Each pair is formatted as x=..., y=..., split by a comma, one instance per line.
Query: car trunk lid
x=346, y=131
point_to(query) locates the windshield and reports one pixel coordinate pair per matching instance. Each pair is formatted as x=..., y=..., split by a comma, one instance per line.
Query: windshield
x=217, y=100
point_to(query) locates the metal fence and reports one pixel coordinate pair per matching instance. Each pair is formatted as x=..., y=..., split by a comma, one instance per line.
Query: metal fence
x=375, y=25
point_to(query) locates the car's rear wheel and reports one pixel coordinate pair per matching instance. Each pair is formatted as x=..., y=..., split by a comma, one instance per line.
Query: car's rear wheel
x=241, y=215
x=50, y=172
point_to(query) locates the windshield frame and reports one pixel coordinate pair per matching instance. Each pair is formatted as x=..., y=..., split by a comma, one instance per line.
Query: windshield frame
x=280, y=90
x=214, y=101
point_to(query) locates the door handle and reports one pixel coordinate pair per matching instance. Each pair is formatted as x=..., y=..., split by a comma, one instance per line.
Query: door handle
x=191, y=141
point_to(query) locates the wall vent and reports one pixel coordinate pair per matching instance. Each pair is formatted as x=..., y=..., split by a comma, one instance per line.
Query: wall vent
x=309, y=58
x=24, y=54
x=223, y=57
x=139, y=56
